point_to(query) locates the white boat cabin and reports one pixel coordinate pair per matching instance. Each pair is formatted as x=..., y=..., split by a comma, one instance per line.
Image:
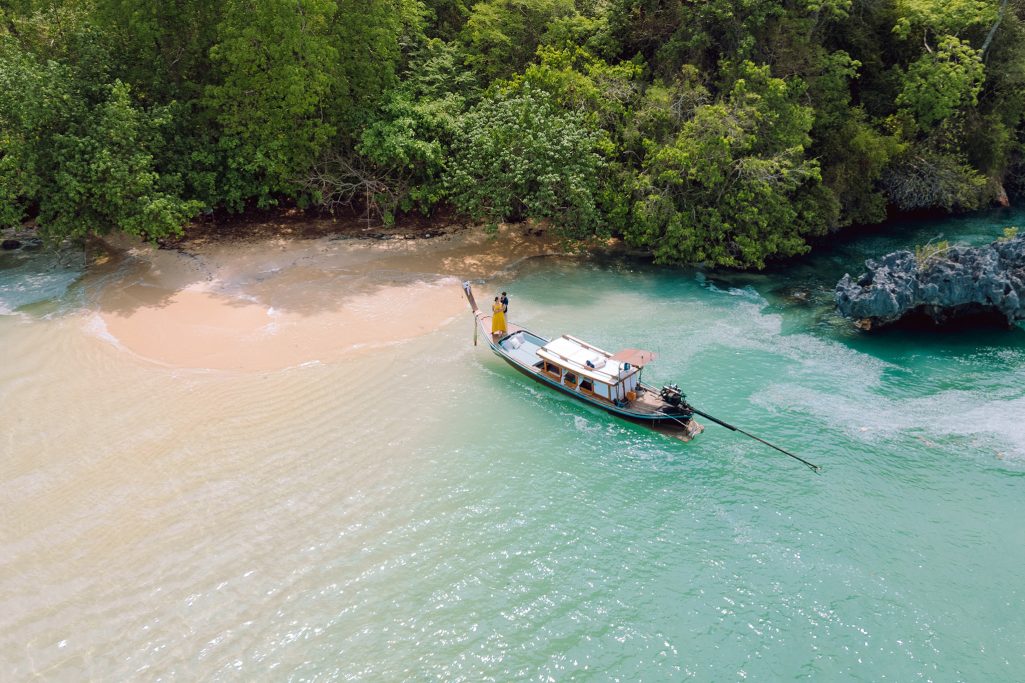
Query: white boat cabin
x=578, y=366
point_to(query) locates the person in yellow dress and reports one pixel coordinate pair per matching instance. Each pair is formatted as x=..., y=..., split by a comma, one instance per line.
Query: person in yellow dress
x=497, y=317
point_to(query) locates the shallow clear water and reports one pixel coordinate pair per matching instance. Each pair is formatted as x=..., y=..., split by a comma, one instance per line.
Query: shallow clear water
x=422, y=511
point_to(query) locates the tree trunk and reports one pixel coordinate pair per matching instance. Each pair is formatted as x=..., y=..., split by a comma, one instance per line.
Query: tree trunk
x=993, y=28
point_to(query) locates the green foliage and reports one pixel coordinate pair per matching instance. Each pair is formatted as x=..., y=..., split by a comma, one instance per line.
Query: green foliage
x=161, y=46
x=939, y=83
x=989, y=144
x=657, y=118
x=724, y=131
x=853, y=153
x=578, y=30
x=576, y=80
x=408, y=135
x=501, y=35
x=446, y=17
x=407, y=148
x=734, y=187
x=275, y=68
x=397, y=163
x=519, y=157
x=79, y=155
x=942, y=16
x=436, y=71
x=854, y=174
x=926, y=254
x=367, y=36
x=1010, y=233
x=670, y=34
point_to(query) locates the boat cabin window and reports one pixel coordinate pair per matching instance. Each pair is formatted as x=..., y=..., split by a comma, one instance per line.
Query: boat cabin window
x=553, y=370
x=571, y=379
x=586, y=385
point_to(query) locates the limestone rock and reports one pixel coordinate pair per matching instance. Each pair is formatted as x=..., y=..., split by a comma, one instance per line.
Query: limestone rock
x=962, y=281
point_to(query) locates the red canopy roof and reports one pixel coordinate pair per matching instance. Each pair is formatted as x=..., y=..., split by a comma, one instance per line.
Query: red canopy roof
x=635, y=357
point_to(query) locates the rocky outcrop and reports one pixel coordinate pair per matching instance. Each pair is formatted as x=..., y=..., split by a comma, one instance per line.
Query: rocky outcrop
x=958, y=282
x=28, y=244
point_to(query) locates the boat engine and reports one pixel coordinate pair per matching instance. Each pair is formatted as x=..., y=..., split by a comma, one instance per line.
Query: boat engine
x=672, y=395
x=677, y=401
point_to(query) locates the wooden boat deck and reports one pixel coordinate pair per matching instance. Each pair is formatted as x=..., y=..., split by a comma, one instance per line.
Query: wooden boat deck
x=647, y=401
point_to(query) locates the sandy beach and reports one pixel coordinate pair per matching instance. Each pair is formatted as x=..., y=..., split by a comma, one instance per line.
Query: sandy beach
x=267, y=303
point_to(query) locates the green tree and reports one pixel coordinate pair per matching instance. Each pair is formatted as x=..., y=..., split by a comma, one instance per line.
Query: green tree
x=397, y=161
x=519, y=157
x=734, y=187
x=577, y=80
x=369, y=36
x=939, y=83
x=161, y=46
x=924, y=178
x=672, y=33
x=852, y=152
x=407, y=150
x=275, y=62
x=501, y=35
x=79, y=155
x=445, y=18
x=719, y=130
x=918, y=18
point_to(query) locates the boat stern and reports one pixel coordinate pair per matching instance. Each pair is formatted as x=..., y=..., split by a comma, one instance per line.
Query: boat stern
x=684, y=430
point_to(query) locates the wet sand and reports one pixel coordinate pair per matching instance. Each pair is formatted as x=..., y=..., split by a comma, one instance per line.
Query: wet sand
x=267, y=304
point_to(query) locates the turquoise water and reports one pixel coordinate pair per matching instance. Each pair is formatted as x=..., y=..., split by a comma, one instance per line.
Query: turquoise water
x=458, y=522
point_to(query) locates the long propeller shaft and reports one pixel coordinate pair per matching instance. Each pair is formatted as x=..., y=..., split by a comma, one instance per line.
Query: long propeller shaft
x=727, y=425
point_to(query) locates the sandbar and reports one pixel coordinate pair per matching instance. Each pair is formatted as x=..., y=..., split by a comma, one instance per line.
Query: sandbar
x=266, y=304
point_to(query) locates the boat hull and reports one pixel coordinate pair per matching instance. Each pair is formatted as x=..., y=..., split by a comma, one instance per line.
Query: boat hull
x=676, y=426
x=608, y=407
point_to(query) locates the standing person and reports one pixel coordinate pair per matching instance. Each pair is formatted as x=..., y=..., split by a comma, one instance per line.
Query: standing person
x=505, y=304
x=497, y=318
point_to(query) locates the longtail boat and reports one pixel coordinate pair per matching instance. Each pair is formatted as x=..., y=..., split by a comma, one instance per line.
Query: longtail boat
x=610, y=381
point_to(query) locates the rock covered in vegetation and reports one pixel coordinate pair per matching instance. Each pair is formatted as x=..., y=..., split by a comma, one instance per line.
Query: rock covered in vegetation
x=959, y=282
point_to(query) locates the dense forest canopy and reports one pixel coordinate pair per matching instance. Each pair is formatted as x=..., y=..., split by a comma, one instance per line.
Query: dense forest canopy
x=720, y=131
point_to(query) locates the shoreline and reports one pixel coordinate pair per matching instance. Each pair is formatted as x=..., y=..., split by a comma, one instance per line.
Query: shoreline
x=262, y=302
x=256, y=225
x=292, y=222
